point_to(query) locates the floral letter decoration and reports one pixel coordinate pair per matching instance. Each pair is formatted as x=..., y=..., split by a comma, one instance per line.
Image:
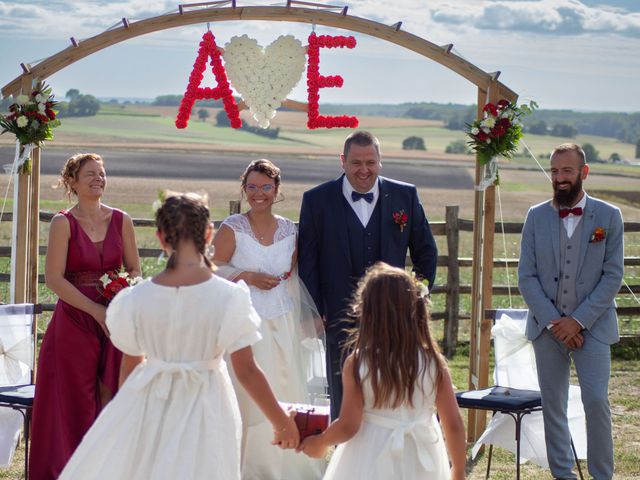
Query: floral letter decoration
x=32, y=119
x=499, y=131
x=208, y=48
x=264, y=76
x=315, y=82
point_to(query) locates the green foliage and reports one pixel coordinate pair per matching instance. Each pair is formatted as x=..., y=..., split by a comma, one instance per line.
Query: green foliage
x=457, y=146
x=203, y=114
x=615, y=158
x=538, y=128
x=638, y=148
x=222, y=120
x=500, y=131
x=565, y=131
x=32, y=117
x=593, y=156
x=79, y=105
x=168, y=100
x=413, y=143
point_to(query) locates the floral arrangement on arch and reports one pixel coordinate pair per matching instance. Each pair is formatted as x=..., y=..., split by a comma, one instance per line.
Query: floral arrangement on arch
x=499, y=131
x=31, y=118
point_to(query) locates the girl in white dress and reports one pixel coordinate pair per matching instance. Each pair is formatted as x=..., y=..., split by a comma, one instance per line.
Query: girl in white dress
x=176, y=415
x=259, y=248
x=394, y=381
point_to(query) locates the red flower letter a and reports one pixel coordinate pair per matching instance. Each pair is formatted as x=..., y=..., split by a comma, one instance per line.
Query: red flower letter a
x=208, y=48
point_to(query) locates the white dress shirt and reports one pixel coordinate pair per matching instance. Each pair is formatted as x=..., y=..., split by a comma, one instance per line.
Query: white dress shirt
x=571, y=221
x=362, y=208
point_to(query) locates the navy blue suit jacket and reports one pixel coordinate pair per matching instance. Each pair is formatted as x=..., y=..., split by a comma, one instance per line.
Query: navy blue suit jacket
x=324, y=260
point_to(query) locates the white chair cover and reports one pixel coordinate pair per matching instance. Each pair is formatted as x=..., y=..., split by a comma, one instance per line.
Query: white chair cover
x=515, y=366
x=16, y=363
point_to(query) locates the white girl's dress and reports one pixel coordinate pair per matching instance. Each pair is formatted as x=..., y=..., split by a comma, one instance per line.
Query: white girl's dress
x=176, y=416
x=404, y=443
x=279, y=353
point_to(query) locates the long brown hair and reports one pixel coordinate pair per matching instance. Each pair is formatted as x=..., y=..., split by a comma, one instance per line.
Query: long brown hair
x=392, y=337
x=183, y=217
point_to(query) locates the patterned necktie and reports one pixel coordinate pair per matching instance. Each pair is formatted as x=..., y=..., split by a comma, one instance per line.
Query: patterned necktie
x=368, y=197
x=563, y=212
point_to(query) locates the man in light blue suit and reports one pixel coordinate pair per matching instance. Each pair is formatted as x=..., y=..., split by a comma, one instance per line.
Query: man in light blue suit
x=571, y=268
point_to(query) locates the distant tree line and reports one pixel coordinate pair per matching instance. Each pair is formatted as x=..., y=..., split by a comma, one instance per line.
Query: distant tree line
x=222, y=120
x=559, y=123
x=79, y=105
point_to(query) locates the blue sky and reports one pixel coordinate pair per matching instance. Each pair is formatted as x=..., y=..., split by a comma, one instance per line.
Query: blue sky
x=578, y=54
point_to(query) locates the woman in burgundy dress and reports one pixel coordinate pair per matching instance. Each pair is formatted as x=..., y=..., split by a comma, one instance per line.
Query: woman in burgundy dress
x=78, y=367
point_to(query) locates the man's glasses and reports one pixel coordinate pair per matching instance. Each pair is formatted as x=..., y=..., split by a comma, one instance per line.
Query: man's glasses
x=253, y=189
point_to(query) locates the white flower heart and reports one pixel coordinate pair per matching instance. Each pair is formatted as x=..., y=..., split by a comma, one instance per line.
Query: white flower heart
x=264, y=76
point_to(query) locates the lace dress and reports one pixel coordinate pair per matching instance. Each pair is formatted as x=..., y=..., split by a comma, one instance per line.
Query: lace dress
x=278, y=353
x=404, y=443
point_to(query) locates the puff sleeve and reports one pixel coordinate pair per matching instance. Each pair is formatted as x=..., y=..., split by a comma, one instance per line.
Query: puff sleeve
x=240, y=327
x=121, y=315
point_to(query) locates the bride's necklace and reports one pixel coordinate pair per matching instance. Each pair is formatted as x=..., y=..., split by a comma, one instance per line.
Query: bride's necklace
x=257, y=233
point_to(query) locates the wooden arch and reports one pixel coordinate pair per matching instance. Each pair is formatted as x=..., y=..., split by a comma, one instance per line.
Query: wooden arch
x=25, y=275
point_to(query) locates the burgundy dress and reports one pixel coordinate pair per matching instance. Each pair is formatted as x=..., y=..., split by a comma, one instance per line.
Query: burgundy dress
x=75, y=356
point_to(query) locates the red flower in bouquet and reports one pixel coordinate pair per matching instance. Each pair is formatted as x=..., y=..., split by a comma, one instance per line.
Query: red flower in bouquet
x=32, y=117
x=499, y=131
x=401, y=218
x=113, y=282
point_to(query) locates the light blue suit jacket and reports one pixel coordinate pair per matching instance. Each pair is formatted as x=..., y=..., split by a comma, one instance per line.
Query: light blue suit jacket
x=600, y=270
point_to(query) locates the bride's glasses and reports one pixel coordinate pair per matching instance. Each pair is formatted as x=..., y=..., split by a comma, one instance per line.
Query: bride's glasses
x=253, y=189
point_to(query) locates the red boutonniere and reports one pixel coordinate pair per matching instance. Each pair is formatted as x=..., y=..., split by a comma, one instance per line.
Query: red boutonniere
x=401, y=218
x=598, y=235
x=112, y=282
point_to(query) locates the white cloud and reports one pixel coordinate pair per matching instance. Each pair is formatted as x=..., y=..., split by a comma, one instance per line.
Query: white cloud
x=557, y=17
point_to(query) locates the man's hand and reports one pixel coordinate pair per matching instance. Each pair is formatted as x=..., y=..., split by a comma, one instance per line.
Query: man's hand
x=567, y=330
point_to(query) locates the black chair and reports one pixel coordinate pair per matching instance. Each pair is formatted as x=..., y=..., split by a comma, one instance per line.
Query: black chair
x=516, y=403
x=20, y=397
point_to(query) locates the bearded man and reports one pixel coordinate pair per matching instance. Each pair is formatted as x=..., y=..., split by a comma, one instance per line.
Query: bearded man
x=571, y=267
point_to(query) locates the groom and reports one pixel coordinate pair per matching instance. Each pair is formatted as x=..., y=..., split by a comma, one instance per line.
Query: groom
x=347, y=225
x=571, y=268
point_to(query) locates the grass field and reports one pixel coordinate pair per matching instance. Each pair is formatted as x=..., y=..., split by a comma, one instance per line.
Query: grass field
x=147, y=127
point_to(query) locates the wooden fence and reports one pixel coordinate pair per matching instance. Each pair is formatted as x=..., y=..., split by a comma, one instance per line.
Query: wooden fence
x=452, y=289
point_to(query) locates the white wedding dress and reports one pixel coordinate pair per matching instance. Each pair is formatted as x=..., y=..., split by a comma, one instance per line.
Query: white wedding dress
x=400, y=443
x=280, y=353
x=176, y=416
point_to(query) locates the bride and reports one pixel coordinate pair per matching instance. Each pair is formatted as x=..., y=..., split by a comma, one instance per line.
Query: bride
x=259, y=248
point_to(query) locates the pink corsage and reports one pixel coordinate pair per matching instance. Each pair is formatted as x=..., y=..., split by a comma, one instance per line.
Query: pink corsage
x=401, y=218
x=598, y=235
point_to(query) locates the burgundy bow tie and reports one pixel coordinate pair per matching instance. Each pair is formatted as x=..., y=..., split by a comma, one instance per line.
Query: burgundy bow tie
x=566, y=211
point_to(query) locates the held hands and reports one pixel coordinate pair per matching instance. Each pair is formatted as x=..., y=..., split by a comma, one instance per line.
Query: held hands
x=264, y=281
x=567, y=330
x=313, y=447
x=287, y=436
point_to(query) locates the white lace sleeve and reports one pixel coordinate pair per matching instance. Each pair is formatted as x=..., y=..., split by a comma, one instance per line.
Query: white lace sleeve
x=238, y=223
x=286, y=228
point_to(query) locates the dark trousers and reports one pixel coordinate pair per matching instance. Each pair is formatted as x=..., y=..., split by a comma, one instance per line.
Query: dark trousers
x=334, y=373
